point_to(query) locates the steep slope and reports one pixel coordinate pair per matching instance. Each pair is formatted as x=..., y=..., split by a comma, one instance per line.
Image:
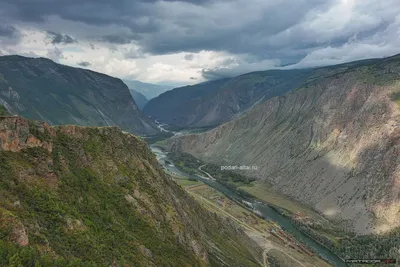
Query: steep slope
x=139, y=98
x=215, y=102
x=39, y=88
x=332, y=144
x=3, y=111
x=87, y=196
x=147, y=89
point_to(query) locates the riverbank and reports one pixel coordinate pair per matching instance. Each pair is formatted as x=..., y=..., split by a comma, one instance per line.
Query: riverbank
x=265, y=210
x=268, y=234
x=287, y=214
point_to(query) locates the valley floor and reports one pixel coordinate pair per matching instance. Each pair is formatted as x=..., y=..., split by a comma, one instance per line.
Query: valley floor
x=305, y=219
x=277, y=245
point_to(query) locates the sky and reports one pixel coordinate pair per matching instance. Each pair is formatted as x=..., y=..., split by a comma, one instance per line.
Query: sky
x=187, y=42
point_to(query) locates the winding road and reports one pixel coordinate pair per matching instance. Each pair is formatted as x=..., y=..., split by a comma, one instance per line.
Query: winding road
x=206, y=173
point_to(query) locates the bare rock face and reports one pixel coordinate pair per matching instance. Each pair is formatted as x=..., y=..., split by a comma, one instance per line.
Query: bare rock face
x=19, y=235
x=15, y=135
x=146, y=252
x=332, y=144
x=199, y=250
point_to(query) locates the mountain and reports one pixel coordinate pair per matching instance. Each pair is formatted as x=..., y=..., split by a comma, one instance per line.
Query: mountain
x=216, y=102
x=332, y=144
x=147, y=89
x=139, y=98
x=41, y=89
x=96, y=196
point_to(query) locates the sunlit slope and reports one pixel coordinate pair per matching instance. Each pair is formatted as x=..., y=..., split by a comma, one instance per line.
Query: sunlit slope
x=332, y=144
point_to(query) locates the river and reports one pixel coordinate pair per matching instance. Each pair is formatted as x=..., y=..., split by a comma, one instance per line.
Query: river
x=264, y=210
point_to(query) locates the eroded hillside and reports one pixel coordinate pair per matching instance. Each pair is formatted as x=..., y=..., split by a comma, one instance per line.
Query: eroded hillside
x=332, y=144
x=96, y=196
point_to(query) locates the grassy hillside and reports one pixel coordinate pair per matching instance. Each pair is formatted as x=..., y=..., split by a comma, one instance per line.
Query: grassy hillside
x=76, y=196
x=3, y=111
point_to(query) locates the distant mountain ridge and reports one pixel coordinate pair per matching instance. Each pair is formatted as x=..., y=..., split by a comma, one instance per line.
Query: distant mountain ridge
x=139, y=98
x=41, y=89
x=332, y=143
x=147, y=89
x=216, y=102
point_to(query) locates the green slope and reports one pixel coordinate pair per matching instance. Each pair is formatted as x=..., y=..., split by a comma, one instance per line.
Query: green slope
x=78, y=196
x=3, y=111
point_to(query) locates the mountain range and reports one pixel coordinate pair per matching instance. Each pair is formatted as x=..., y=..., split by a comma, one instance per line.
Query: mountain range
x=215, y=102
x=212, y=103
x=149, y=90
x=41, y=89
x=327, y=138
x=331, y=143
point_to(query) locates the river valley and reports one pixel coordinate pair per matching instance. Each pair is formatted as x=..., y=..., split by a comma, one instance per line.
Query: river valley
x=258, y=207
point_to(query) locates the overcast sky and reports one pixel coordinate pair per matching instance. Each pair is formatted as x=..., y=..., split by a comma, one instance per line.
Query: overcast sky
x=185, y=42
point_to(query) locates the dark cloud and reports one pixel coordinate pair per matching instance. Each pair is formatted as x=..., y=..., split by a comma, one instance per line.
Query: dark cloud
x=214, y=74
x=193, y=78
x=84, y=64
x=9, y=35
x=163, y=27
x=301, y=31
x=58, y=38
x=117, y=39
x=7, y=31
x=189, y=57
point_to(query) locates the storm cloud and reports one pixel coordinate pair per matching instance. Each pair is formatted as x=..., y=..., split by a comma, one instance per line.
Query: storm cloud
x=189, y=57
x=257, y=34
x=8, y=34
x=84, y=64
x=7, y=31
x=58, y=38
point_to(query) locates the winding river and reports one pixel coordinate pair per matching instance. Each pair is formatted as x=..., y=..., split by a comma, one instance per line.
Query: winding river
x=264, y=210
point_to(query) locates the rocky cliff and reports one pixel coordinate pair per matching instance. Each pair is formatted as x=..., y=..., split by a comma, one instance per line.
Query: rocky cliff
x=332, y=144
x=96, y=196
x=38, y=88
